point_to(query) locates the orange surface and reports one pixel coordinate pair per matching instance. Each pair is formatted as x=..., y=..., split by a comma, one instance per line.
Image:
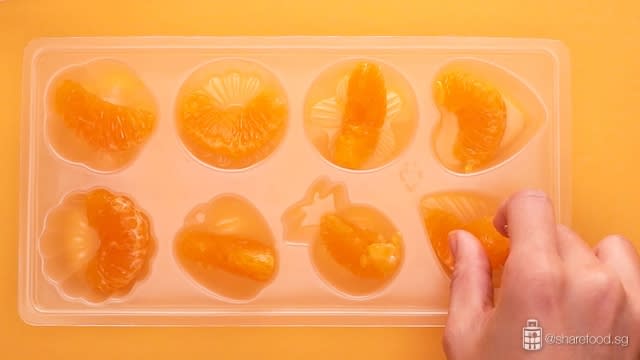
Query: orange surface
x=362, y=250
x=238, y=255
x=479, y=136
x=201, y=122
x=364, y=115
x=606, y=91
x=446, y=212
x=439, y=223
x=126, y=242
x=106, y=119
x=496, y=245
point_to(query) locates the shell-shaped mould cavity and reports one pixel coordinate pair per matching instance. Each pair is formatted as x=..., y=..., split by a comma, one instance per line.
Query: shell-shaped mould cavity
x=444, y=212
x=97, y=249
x=227, y=247
x=360, y=114
x=99, y=115
x=487, y=116
x=231, y=114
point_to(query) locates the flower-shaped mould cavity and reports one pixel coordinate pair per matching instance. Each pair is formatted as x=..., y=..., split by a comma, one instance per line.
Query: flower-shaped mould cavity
x=231, y=114
x=99, y=115
x=444, y=212
x=360, y=114
x=97, y=245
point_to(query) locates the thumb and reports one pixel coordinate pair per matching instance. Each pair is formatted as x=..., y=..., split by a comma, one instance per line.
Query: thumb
x=471, y=286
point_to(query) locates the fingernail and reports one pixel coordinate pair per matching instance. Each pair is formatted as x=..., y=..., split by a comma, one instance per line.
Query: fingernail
x=534, y=193
x=453, y=243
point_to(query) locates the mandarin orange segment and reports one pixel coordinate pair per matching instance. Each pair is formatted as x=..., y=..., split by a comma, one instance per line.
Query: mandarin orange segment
x=481, y=113
x=494, y=243
x=439, y=223
x=103, y=125
x=234, y=136
x=126, y=242
x=364, y=115
x=362, y=251
x=238, y=255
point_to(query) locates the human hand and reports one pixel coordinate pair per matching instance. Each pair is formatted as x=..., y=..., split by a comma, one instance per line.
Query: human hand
x=551, y=275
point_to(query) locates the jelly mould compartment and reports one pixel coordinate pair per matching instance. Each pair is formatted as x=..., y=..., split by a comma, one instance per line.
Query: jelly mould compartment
x=104, y=89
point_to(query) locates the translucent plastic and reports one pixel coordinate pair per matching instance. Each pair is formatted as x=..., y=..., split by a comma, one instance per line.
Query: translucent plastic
x=274, y=180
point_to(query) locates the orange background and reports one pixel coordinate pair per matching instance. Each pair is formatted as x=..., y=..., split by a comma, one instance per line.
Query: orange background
x=602, y=37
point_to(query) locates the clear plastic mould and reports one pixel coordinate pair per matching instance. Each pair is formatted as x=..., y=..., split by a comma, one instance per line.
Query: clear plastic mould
x=273, y=180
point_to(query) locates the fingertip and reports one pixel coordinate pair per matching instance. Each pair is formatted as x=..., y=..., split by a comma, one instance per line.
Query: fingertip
x=471, y=287
x=613, y=242
x=532, y=200
x=525, y=195
x=467, y=250
x=619, y=254
x=528, y=218
x=531, y=193
x=500, y=220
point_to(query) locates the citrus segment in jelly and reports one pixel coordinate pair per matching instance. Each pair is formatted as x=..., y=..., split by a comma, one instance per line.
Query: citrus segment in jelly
x=126, y=241
x=238, y=255
x=481, y=115
x=103, y=125
x=495, y=244
x=227, y=246
x=364, y=115
x=100, y=115
x=445, y=212
x=364, y=122
x=231, y=120
x=439, y=223
x=363, y=251
x=99, y=244
x=355, y=248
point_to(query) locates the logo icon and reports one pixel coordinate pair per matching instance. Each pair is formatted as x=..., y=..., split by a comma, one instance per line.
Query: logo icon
x=532, y=336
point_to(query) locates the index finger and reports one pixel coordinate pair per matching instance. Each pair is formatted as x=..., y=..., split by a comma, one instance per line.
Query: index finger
x=528, y=219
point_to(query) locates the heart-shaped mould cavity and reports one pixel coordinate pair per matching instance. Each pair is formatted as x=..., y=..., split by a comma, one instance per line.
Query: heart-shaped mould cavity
x=355, y=248
x=487, y=116
x=444, y=212
x=231, y=114
x=360, y=114
x=227, y=247
x=97, y=245
x=100, y=114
